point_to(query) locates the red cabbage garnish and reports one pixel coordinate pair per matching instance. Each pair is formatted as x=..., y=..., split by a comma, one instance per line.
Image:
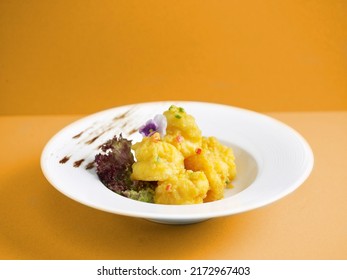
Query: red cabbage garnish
x=114, y=167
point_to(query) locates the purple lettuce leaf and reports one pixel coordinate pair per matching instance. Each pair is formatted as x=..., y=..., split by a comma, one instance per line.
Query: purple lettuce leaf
x=114, y=168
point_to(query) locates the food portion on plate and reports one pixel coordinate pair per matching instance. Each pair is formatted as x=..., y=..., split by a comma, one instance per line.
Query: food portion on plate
x=172, y=164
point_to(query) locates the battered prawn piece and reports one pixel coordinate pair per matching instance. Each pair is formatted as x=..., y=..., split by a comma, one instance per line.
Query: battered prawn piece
x=156, y=160
x=217, y=162
x=182, y=131
x=188, y=187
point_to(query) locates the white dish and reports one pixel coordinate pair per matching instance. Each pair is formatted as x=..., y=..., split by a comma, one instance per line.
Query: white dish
x=272, y=160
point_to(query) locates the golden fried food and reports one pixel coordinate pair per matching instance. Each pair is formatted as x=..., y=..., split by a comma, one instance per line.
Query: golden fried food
x=187, y=167
x=156, y=160
x=186, y=188
x=217, y=162
x=182, y=131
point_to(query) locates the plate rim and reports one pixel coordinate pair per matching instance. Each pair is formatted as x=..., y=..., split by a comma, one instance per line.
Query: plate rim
x=191, y=216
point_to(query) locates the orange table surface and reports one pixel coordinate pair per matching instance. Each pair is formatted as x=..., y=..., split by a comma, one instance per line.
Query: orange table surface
x=38, y=222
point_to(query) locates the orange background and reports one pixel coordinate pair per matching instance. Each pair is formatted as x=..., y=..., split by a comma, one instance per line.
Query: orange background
x=79, y=57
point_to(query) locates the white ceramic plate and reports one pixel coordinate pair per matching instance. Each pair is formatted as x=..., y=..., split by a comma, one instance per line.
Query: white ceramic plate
x=272, y=160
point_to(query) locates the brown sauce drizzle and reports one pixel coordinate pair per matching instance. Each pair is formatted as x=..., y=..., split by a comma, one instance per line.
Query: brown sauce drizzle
x=91, y=141
x=77, y=163
x=78, y=135
x=99, y=147
x=133, y=131
x=90, y=165
x=64, y=159
x=122, y=116
x=105, y=129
